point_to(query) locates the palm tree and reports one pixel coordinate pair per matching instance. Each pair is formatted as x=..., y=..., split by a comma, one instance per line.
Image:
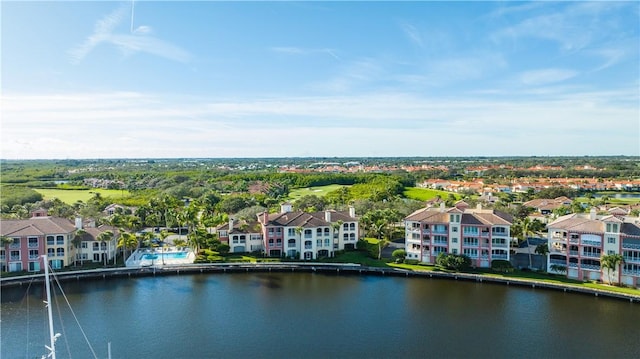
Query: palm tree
x=543, y=250
x=528, y=229
x=77, y=242
x=4, y=241
x=127, y=241
x=105, y=237
x=611, y=262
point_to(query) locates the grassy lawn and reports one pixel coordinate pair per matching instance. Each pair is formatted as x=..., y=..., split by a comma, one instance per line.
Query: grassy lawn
x=319, y=191
x=425, y=194
x=73, y=196
x=356, y=257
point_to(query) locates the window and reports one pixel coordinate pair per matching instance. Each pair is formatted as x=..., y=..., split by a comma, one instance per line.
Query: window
x=34, y=266
x=270, y=240
x=327, y=242
x=610, y=252
x=454, y=251
x=319, y=242
x=470, y=230
x=60, y=252
x=59, y=240
x=291, y=243
x=33, y=254
x=291, y=231
x=16, y=243
x=279, y=241
x=345, y=226
x=499, y=230
x=103, y=246
x=2, y=254
x=83, y=245
x=454, y=229
x=352, y=226
x=14, y=255
x=611, y=240
x=352, y=236
x=50, y=240
x=96, y=246
x=33, y=242
x=326, y=231
x=454, y=240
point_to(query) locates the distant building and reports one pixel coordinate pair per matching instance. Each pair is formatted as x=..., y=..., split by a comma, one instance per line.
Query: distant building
x=481, y=234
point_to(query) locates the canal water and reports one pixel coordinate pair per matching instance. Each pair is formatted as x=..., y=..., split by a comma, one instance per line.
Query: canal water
x=309, y=315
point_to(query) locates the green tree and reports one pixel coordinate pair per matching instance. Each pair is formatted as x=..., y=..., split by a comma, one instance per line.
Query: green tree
x=543, y=250
x=77, y=243
x=127, y=241
x=527, y=228
x=104, y=238
x=611, y=262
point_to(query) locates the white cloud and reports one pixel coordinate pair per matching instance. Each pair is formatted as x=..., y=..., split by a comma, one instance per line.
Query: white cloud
x=412, y=33
x=305, y=51
x=137, y=125
x=138, y=41
x=546, y=76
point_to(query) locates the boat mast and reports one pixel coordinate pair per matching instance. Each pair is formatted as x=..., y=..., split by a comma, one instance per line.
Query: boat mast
x=52, y=336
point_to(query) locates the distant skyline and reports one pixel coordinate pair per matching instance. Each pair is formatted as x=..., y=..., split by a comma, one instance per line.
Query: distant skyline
x=159, y=79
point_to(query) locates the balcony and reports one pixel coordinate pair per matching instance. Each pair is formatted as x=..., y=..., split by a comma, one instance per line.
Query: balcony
x=33, y=256
x=558, y=262
x=33, y=245
x=631, y=272
x=558, y=250
x=426, y=242
x=573, y=253
x=499, y=245
x=14, y=258
x=590, y=267
x=631, y=259
x=558, y=236
x=498, y=256
x=574, y=240
x=591, y=255
x=630, y=246
x=441, y=242
x=587, y=242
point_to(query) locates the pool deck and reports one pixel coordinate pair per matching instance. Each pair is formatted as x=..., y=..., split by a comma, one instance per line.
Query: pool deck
x=137, y=260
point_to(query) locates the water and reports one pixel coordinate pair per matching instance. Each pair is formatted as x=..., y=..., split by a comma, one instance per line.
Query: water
x=618, y=195
x=302, y=315
x=167, y=255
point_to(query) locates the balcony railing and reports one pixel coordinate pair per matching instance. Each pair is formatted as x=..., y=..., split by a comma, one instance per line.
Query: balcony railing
x=498, y=256
x=631, y=259
x=591, y=243
x=308, y=246
x=558, y=250
x=591, y=254
x=14, y=258
x=630, y=246
x=573, y=253
x=573, y=265
x=33, y=256
x=440, y=242
x=558, y=262
x=573, y=240
x=590, y=267
x=14, y=245
x=631, y=272
x=33, y=245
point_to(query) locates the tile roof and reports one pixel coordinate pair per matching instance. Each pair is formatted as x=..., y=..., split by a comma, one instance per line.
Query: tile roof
x=469, y=217
x=36, y=226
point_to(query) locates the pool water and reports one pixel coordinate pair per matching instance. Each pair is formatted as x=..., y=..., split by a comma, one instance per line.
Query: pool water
x=168, y=255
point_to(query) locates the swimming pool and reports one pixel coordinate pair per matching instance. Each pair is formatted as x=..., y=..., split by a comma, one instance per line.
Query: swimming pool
x=167, y=255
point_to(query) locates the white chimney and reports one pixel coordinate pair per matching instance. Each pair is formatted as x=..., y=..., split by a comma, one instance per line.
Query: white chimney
x=231, y=224
x=78, y=222
x=327, y=216
x=479, y=206
x=352, y=211
x=592, y=214
x=285, y=207
x=441, y=207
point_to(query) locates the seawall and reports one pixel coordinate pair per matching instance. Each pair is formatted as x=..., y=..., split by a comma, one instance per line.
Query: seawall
x=327, y=268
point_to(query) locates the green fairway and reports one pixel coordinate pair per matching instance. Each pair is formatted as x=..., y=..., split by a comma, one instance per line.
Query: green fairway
x=73, y=196
x=319, y=191
x=425, y=194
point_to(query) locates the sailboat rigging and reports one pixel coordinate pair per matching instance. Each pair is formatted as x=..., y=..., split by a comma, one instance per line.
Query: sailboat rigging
x=53, y=337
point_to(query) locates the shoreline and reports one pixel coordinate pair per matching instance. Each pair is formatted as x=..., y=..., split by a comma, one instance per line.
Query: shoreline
x=327, y=268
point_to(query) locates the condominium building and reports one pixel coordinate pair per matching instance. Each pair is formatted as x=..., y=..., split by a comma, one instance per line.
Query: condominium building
x=241, y=236
x=578, y=241
x=306, y=235
x=481, y=234
x=31, y=238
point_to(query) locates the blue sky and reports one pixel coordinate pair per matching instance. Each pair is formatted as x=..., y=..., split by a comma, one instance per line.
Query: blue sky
x=274, y=79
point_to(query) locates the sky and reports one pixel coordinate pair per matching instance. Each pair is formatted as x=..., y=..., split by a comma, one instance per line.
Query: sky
x=210, y=79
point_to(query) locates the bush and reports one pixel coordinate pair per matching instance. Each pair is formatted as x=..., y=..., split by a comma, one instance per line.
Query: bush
x=501, y=265
x=455, y=262
x=411, y=261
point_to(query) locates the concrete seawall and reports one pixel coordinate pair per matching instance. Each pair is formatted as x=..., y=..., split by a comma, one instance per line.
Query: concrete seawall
x=327, y=268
